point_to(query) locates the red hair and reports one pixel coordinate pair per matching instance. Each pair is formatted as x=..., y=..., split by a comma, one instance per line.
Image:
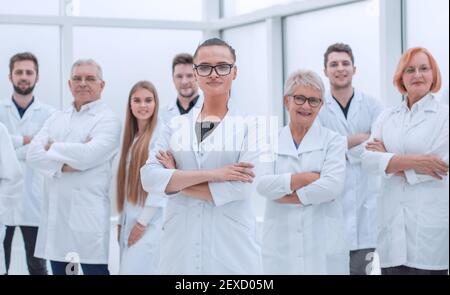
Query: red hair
x=403, y=63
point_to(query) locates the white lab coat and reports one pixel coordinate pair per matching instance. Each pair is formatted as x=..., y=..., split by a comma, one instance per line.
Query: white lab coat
x=413, y=228
x=28, y=211
x=143, y=257
x=200, y=237
x=308, y=238
x=169, y=111
x=360, y=191
x=11, y=182
x=75, y=216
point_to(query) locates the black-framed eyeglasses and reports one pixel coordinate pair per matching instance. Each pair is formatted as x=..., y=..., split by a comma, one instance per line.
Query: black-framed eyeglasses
x=220, y=69
x=301, y=99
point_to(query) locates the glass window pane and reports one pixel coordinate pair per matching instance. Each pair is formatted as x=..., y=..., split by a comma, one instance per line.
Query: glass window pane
x=305, y=47
x=44, y=42
x=130, y=55
x=30, y=7
x=427, y=25
x=250, y=89
x=143, y=9
x=238, y=7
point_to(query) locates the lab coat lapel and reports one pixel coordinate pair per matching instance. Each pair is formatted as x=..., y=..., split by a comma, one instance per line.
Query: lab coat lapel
x=34, y=107
x=334, y=107
x=193, y=115
x=427, y=104
x=13, y=110
x=312, y=140
x=286, y=145
x=354, y=111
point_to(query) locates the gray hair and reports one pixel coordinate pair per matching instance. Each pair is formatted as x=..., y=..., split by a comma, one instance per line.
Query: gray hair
x=89, y=61
x=303, y=78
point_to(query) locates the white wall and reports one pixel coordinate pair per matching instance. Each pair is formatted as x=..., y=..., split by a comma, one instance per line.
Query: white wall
x=427, y=25
x=308, y=35
x=43, y=41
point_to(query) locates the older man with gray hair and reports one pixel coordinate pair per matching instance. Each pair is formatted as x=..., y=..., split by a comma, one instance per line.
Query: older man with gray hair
x=74, y=150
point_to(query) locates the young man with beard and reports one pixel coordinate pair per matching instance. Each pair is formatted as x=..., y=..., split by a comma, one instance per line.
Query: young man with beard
x=23, y=116
x=186, y=86
x=351, y=113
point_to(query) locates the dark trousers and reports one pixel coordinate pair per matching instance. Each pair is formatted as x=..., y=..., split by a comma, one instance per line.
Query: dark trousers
x=36, y=266
x=406, y=270
x=361, y=261
x=63, y=269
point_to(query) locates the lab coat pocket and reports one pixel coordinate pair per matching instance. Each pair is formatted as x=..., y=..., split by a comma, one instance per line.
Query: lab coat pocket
x=84, y=215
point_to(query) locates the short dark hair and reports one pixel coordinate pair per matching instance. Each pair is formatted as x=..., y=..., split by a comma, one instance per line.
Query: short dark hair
x=21, y=57
x=182, y=59
x=338, y=47
x=216, y=42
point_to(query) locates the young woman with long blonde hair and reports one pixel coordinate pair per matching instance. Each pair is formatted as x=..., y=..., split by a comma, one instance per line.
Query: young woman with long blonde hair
x=141, y=214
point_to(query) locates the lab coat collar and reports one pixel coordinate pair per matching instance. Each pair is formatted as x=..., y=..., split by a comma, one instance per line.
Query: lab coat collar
x=36, y=105
x=173, y=104
x=91, y=108
x=195, y=112
x=428, y=103
x=334, y=107
x=312, y=141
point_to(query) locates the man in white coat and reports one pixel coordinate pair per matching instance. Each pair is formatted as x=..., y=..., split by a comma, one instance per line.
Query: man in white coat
x=10, y=185
x=23, y=116
x=186, y=86
x=351, y=113
x=74, y=150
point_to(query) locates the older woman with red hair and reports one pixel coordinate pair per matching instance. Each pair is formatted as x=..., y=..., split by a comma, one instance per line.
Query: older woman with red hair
x=410, y=148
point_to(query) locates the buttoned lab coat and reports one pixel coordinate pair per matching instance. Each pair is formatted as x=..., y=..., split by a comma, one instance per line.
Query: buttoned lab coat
x=143, y=257
x=11, y=182
x=360, y=191
x=28, y=211
x=200, y=237
x=308, y=238
x=413, y=228
x=75, y=217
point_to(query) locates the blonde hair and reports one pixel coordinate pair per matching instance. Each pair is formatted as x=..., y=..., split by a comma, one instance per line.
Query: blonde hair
x=129, y=185
x=403, y=63
x=305, y=78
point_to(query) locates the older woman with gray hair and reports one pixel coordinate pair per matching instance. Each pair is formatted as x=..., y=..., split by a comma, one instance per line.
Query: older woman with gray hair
x=304, y=229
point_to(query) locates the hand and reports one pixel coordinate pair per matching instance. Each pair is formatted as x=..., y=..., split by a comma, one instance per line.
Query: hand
x=430, y=165
x=401, y=174
x=119, y=229
x=48, y=145
x=136, y=234
x=27, y=139
x=376, y=146
x=166, y=159
x=235, y=172
x=67, y=169
x=289, y=199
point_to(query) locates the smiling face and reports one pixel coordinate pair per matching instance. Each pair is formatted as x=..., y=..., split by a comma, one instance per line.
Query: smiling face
x=215, y=85
x=142, y=104
x=418, y=76
x=340, y=70
x=184, y=80
x=85, y=84
x=24, y=77
x=302, y=115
